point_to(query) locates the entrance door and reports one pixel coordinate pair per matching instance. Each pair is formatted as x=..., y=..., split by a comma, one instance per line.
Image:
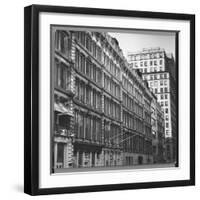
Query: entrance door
x=93, y=159
x=140, y=160
x=60, y=155
x=80, y=159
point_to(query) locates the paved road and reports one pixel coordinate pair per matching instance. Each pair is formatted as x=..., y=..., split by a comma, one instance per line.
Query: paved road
x=144, y=166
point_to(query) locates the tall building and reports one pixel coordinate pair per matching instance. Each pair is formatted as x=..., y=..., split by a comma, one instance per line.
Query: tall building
x=158, y=131
x=101, y=108
x=159, y=69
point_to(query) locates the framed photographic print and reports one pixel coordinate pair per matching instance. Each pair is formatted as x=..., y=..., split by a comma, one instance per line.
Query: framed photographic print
x=109, y=99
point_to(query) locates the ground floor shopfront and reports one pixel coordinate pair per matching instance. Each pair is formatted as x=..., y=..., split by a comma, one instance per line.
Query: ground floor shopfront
x=137, y=159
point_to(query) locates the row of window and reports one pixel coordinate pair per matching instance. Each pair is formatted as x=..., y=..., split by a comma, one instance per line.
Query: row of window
x=87, y=127
x=111, y=86
x=88, y=95
x=128, y=102
x=63, y=42
x=164, y=103
x=139, y=125
x=96, y=50
x=157, y=83
x=151, y=69
x=89, y=44
x=147, y=105
x=155, y=76
x=138, y=95
x=111, y=108
x=133, y=123
x=127, y=85
x=160, y=90
x=62, y=75
x=147, y=131
x=128, y=120
x=146, y=56
x=163, y=96
x=138, y=110
x=147, y=63
x=112, y=133
x=111, y=66
x=88, y=68
x=147, y=117
x=136, y=144
x=160, y=128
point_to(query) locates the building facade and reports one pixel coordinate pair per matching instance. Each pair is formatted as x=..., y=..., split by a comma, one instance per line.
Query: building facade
x=101, y=108
x=158, y=132
x=159, y=69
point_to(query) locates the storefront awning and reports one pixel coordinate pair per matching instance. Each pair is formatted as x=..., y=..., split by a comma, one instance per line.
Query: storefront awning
x=59, y=107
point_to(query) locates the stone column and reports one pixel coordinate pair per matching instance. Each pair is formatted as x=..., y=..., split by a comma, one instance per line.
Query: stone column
x=77, y=158
x=102, y=158
x=65, y=154
x=83, y=160
x=95, y=159
x=90, y=159
x=55, y=153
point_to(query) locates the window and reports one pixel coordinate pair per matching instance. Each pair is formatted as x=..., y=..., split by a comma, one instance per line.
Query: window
x=161, y=62
x=155, y=62
x=82, y=38
x=98, y=75
x=94, y=72
x=82, y=66
x=88, y=68
x=63, y=76
x=63, y=42
x=88, y=43
x=94, y=49
x=88, y=128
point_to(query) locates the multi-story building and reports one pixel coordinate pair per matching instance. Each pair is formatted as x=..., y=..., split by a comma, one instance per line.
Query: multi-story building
x=158, y=131
x=102, y=109
x=159, y=70
x=136, y=101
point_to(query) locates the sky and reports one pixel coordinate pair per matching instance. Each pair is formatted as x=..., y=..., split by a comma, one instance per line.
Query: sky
x=136, y=41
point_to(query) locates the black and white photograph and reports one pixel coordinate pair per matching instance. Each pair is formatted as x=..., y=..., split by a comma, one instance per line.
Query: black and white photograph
x=109, y=100
x=114, y=99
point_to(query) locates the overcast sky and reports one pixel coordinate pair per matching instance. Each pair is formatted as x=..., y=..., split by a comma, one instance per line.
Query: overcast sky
x=135, y=41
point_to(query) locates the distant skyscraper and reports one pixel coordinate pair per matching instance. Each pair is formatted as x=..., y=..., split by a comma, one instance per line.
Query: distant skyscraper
x=159, y=70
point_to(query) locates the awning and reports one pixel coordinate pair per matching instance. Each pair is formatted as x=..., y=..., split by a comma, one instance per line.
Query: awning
x=62, y=109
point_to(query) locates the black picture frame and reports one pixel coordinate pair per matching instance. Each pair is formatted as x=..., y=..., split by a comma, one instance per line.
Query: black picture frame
x=31, y=98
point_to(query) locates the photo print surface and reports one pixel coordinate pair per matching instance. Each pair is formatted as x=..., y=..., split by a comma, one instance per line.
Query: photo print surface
x=114, y=99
